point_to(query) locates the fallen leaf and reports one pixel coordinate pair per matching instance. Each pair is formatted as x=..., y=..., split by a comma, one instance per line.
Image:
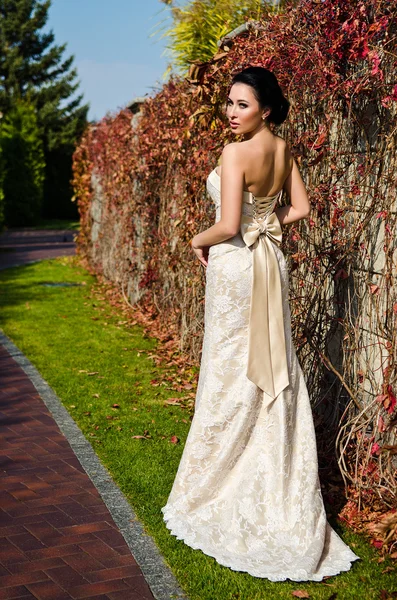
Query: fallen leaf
x=116, y=406
x=95, y=395
x=388, y=570
x=392, y=400
x=174, y=439
x=139, y=437
x=173, y=401
x=300, y=594
x=387, y=528
x=93, y=373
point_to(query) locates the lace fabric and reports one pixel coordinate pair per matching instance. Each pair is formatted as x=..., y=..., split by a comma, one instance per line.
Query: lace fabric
x=247, y=491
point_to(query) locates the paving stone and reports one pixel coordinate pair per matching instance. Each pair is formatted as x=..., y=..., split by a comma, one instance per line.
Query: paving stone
x=114, y=573
x=57, y=537
x=14, y=593
x=36, y=565
x=66, y=577
x=48, y=590
x=93, y=589
x=24, y=578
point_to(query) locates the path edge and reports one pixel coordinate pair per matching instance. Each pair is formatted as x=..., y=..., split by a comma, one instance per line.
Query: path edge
x=158, y=575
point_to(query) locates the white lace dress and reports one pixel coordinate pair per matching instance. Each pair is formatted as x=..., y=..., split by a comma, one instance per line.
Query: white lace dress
x=247, y=490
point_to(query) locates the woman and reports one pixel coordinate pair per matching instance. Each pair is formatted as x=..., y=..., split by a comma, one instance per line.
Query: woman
x=247, y=490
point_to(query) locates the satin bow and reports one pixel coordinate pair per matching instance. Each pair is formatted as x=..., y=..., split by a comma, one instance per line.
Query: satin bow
x=267, y=358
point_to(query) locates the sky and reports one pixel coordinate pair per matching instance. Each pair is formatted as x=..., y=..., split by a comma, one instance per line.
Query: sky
x=115, y=56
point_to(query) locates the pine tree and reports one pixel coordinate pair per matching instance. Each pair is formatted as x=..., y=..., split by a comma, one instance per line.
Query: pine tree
x=33, y=67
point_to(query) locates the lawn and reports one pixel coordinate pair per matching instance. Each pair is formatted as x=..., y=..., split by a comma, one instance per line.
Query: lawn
x=57, y=224
x=98, y=366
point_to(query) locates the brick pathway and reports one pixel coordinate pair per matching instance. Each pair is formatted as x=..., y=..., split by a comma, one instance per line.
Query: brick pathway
x=20, y=246
x=57, y=537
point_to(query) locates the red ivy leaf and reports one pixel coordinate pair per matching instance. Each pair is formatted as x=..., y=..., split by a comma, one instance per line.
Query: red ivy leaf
x=374, y=288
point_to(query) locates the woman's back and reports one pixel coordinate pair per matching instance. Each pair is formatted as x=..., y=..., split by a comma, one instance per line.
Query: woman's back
x=266, y=166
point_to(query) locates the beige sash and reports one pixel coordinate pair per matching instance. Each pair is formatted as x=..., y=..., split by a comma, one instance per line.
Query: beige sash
x=267, y=358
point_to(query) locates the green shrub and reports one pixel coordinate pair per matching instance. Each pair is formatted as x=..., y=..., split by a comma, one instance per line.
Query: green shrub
x=198, y=25
x=1, y=190
x=24, y=165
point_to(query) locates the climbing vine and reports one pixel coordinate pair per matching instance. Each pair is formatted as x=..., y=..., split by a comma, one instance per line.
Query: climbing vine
x=141, y=189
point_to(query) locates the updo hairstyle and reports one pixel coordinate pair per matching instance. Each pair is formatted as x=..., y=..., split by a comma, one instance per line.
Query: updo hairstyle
x=266, y=90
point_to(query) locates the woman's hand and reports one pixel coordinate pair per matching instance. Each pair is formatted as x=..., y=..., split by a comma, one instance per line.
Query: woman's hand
x=201, y=252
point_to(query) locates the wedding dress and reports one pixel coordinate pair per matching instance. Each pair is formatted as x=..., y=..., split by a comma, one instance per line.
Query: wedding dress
x=247, y=490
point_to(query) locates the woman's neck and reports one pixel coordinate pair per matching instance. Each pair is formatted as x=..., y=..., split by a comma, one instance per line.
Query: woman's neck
x=262, y=131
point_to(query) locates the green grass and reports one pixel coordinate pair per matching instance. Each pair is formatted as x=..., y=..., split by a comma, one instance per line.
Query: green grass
x=92, y=361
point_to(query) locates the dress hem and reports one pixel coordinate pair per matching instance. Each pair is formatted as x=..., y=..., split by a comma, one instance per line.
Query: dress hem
x=343, y=566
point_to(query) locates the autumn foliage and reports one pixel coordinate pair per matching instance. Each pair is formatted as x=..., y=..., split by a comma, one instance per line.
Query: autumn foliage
x=141, y=190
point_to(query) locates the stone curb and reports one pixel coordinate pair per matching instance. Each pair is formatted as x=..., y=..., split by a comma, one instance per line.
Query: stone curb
x=159, y=577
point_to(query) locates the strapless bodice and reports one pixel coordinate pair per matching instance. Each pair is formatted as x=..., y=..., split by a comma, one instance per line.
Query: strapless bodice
x=261, y=230
x=254, y=206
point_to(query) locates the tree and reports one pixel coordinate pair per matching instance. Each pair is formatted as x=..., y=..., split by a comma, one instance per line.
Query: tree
x=1, y=189
x=32, y=67
x=199, y=24
x=23, y=164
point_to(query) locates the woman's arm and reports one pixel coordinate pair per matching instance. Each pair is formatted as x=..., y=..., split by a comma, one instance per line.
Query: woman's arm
x=232, y=186
x=300, y=205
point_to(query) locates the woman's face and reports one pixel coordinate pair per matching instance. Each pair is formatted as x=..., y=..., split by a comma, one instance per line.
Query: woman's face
x=243, y=110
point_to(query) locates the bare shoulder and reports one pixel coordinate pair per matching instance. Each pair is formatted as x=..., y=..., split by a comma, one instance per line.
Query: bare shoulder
x=232, y=150
x=286, y=151
x=281, y=143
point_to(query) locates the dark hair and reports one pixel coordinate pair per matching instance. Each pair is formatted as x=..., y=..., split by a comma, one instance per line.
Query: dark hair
x=266, y=90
